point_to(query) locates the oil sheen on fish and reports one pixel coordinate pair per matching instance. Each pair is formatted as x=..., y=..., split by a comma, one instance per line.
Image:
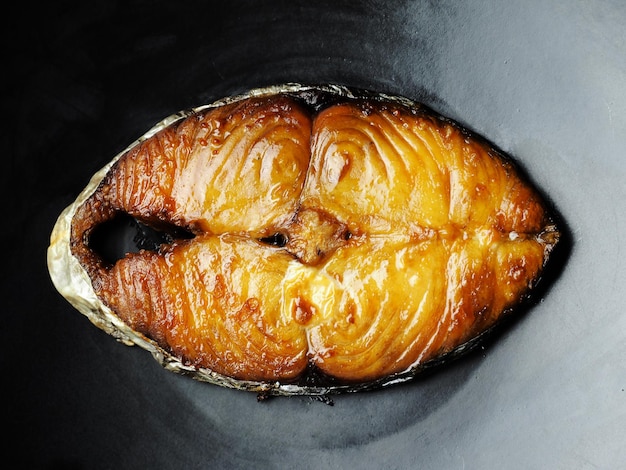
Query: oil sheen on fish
x=335, y=240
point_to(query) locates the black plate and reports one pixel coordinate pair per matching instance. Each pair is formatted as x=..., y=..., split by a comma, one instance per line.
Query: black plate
x=545, y=81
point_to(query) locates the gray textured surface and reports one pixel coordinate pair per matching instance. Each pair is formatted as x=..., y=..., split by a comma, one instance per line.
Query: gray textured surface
x=545, y=81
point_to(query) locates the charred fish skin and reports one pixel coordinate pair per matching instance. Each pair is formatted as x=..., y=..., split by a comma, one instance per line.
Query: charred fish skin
x=343, y=240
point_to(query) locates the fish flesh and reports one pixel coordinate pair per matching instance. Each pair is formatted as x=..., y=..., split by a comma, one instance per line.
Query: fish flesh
x=314, y=240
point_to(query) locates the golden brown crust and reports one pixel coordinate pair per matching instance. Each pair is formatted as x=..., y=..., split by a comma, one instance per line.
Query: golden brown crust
x=404, y=237
x=210, y=302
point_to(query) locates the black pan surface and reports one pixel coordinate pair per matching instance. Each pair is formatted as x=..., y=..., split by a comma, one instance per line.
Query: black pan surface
x=543, y=80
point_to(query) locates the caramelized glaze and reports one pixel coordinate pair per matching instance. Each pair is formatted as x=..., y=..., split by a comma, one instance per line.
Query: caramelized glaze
x=365, y=238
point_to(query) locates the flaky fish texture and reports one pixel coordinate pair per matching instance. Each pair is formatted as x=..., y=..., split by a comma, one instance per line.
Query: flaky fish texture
x=319, y=240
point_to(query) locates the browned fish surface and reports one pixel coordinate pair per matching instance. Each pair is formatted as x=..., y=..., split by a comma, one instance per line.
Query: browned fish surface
x=365, y=237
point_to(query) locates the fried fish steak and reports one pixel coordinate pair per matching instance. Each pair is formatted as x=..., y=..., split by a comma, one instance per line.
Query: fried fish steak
x=361, y=238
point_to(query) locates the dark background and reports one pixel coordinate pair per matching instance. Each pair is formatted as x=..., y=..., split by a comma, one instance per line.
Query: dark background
x=545, y=81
